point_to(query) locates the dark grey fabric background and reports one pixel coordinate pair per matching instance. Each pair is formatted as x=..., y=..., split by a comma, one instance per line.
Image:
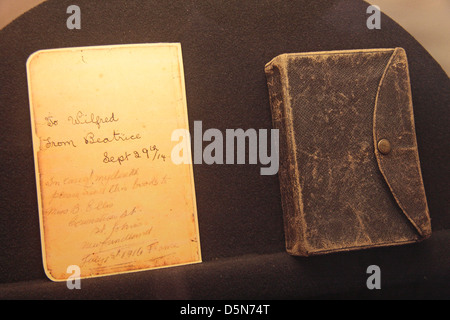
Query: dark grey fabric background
x=225, y=47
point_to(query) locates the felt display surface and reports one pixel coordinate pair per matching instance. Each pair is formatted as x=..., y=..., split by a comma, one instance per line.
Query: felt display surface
x=225, y=46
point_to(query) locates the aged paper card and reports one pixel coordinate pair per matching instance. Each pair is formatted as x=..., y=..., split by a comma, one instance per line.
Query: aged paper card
x=110, y=198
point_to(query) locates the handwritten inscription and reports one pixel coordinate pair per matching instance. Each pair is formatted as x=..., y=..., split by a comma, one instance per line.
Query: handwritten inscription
x=115, y=235
x=105, y=223
x=117, y=255
x=51, y=143
x=90, y=138
x=151, y=153
x=110, y=201
x=82, y=118
x=51, y=122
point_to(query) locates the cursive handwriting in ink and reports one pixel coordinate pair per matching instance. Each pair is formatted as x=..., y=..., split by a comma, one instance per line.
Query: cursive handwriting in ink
x=50, y=143
x=152, y=153
x=90, y=138
x=83, y=118
x=51, y=122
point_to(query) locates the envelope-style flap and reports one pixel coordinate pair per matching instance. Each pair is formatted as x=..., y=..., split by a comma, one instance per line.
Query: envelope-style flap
x=395, y=142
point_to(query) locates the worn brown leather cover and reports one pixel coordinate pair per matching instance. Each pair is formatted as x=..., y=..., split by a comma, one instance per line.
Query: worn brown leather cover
x=339, y=192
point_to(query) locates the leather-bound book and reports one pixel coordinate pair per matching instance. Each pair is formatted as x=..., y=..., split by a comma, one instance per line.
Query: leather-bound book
x=349, y=173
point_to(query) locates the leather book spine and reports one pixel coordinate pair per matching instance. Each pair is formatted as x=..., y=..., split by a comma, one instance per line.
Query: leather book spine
x=294, y=227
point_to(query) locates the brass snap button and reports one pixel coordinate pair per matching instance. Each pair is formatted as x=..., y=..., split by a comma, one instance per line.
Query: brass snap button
x=384, y=146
